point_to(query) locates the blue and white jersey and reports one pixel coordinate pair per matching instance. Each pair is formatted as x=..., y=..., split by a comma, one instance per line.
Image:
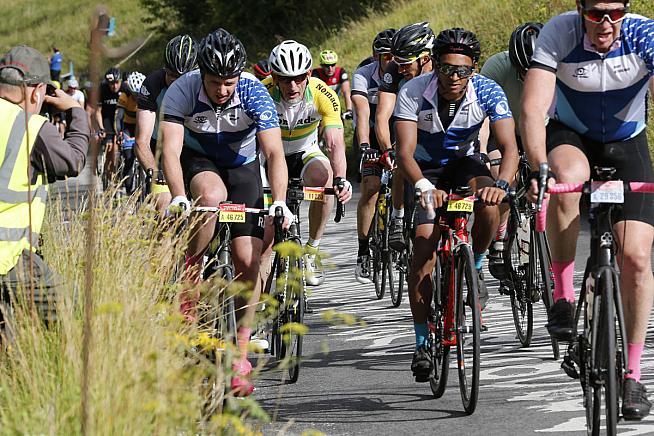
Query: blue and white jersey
x=365, y=82
x=418, y=101
x=602, y=96
x=226, y=135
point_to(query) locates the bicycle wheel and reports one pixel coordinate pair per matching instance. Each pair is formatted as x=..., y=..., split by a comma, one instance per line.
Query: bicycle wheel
x=520, y=294
x=277, y=322
x=396, y=272
x=546, y=282
x=468, y=327
x=294, y=317
x=440, y=354
x=377, y=257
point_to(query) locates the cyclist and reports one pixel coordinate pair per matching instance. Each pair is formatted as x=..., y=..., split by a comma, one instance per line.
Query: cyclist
x=126, y=125
x=336, y=77
x=365, y=87
x=411, y=49
x=225, y=112
x=105, y=113
x=303, y=103
x=507, y=69
x=180, y=57
x=73, y=91
x=597, y=61
x=262, y=69
x=439, y=116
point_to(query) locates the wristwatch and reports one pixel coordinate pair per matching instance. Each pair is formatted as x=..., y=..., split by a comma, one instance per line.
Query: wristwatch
x=502, y=184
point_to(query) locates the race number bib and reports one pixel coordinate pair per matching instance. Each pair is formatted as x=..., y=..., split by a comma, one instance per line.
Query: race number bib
x=314, y=194
x=607, y=192
x=463, y=205
x=232, y=213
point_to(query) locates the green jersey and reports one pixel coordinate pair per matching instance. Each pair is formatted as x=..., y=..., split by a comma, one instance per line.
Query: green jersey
x=500, y=69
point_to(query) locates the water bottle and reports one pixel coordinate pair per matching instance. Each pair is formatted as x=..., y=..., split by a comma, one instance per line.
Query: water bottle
x=429, y=205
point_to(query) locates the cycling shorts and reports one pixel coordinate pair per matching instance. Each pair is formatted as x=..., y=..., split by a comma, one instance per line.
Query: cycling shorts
x=630, y=158
x=297, y=162
x=457, y=173
x=243, y=187
x=492, y=144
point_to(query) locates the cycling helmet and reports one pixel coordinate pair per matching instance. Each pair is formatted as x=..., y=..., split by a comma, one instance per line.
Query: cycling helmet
x=220, y=53
x=328, y=57
x=522, y=43
x=181, y=55
x=411, y=41
x=262, y=69
x=290, y=59
x=626, y=3
x=458, y=41
x=383, y=41
x=112, y=75
x=134, y=82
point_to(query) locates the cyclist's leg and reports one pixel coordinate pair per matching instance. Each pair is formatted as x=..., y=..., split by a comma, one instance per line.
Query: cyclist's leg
x=317, y=172
x=370, y=185
x=396, y=237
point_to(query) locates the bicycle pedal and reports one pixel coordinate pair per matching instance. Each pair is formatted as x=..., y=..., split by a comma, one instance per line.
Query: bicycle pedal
x=421, y=378
x=568, y=367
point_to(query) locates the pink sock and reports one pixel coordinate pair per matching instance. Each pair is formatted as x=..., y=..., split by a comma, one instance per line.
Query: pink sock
x=634, y=351
x=501, y=232
x=563, y=275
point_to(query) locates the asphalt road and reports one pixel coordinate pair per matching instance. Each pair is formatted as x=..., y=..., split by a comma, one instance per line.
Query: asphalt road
x=356, y=380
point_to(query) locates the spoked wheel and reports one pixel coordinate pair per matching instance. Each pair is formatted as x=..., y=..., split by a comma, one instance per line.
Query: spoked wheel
x=377, y=257
x=440, y=354
x=293, y=329
x=540, y=269
x=395, y=271
x=468, y=327
x=521, y=303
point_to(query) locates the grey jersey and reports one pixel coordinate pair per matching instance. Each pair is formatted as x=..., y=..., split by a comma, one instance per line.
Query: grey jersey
x=366, y=82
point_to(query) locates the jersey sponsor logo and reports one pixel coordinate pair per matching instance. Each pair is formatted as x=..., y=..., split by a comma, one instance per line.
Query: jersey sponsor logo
x=581, y=73
x=329, y=95
x=344, y=76
x=303, y=122
x=144, y=91
x=429, y=117
x=502, y=108
x=265, y=115
x=388, y=78
x=200, y=119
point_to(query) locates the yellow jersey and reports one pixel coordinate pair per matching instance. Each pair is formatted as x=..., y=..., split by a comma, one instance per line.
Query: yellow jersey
x=128, y=103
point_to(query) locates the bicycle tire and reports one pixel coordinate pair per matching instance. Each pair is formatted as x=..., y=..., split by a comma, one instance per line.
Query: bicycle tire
x=376, y=258
x=465, y=274
x=520, y=293
x=547, y=280
x=396, y=269
x=439, y=352
x=294, y=315
x=606, y=354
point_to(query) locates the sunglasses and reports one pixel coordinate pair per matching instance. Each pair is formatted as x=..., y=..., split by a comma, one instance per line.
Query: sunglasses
x=297, y=79
x=462, y=71
x=599, y=15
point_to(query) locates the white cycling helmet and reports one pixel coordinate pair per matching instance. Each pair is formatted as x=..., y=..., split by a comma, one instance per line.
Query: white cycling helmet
x=134, y=82
x=290, y=59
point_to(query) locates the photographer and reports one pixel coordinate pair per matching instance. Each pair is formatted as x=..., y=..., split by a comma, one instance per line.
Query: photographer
x=24, y=81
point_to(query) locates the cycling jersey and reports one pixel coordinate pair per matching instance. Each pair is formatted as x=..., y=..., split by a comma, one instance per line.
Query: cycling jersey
x=391, y=80
x=365, y=82
x=108, y=102
x=499, y=69
x=436, y=147
x=224, y=134
x=335, y=81
x=602, y=96
x=299, y=122
x=366, y=61
x=128, y=103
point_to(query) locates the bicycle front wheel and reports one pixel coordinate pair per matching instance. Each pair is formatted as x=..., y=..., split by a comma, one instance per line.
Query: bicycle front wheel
x=546, y=282
x=516, y=279
x=293, y=328
x=440, y=354
x=376, y=242
x=468, y=327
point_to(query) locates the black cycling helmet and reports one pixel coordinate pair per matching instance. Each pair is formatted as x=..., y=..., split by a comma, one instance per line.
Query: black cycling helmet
x=458, y=41
x=181, y=54
x=220, y=53
x=113, y=75
x=262, y=69
x=626, y=3
x=522, y=44
x=412, y=41
x=383, y=41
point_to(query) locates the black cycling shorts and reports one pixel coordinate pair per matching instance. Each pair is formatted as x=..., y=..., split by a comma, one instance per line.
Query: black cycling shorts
x=243, y=187
x=492, y=144
x=455, y=174
x=630, y=158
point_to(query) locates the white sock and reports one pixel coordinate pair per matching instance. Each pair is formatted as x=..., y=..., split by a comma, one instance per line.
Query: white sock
x=314, y=243
x=397, y=213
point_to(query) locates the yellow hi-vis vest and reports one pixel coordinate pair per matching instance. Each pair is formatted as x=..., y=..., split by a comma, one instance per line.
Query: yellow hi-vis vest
x=15, y=186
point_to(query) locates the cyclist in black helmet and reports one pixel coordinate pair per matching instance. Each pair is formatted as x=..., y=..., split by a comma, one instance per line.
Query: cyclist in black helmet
x=105, y=113
x=411, y=49
x=214, y=122
x=508, y=69
x=439, y=116
x=180, y=57
x=262, y=69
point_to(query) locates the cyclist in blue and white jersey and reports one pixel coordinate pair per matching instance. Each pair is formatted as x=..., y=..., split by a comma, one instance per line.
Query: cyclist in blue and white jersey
x=590, y=73
x=439, y=116
x=226, y=114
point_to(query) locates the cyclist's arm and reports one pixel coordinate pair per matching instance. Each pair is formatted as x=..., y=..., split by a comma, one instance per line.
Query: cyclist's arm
x=270, y=141
x=97, y=116
x=118, y=119
x=173, y=141
x=540, y=85
x=362, y=109
x=335, y=143
x=504, y=131
x=407, y=138
x=484, y=135
x=385, y=107
x=145, y=121
x=345, y=86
